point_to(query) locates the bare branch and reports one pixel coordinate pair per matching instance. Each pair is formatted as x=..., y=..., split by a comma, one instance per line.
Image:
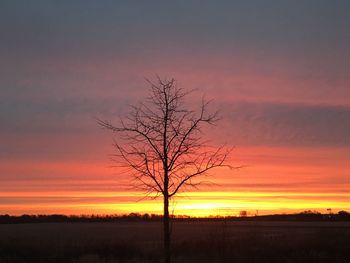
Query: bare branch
x=161, y=141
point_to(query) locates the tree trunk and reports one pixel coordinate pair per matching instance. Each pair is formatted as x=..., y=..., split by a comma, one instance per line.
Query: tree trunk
x=166, y=230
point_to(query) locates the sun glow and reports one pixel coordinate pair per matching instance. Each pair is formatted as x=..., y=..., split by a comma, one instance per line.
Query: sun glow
x=197, y=204
x=276, y=180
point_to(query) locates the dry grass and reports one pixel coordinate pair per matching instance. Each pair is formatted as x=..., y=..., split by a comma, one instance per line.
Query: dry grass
x=192, y=242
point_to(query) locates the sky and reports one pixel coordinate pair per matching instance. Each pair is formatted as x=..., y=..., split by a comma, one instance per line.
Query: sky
x=278, y=71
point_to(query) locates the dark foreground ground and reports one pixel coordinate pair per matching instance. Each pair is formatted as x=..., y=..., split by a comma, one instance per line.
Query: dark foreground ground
x=192, y=242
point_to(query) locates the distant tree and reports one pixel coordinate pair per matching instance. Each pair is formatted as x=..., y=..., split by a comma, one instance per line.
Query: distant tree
x=161, y=141
x=243, y=213
x=344, y=213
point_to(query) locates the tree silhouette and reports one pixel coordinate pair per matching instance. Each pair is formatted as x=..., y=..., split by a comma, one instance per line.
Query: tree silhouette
x=161, y=141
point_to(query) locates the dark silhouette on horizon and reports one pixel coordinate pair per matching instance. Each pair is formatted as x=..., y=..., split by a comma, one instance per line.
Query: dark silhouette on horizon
x=160, y=141
x=308, y=215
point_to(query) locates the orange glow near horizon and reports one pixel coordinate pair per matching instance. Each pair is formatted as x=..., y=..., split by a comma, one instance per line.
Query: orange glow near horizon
x=278, y=73
x=192, y=203
x=275, y=180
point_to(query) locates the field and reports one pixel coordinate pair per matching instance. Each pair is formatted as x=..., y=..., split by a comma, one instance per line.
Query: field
x=196, y=241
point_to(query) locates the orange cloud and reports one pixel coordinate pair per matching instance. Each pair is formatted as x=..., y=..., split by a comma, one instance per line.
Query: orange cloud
x=274, y=180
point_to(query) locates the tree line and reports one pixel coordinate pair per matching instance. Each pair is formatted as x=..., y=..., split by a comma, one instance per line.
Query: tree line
x=138, y=217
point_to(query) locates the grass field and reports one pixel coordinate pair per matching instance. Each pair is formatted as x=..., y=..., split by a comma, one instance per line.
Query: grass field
x=212, y=241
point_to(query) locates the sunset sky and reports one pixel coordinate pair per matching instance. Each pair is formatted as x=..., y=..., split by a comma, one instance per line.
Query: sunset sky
x=278, y=71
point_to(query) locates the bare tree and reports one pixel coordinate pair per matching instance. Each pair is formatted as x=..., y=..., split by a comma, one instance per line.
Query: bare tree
x=161, y=142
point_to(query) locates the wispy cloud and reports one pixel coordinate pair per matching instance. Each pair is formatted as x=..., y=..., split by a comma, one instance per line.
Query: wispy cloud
x=278, y=124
